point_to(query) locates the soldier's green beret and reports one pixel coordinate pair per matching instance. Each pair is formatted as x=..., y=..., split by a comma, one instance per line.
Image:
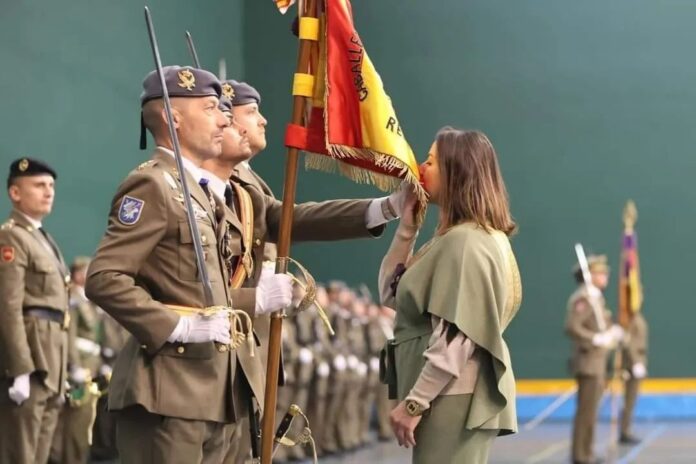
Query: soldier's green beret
x=23, y=167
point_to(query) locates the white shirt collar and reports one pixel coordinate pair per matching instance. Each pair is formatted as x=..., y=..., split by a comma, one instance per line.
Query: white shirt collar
x=33, y=222
x=246, y=165
x=217, y=185
x=192, y=169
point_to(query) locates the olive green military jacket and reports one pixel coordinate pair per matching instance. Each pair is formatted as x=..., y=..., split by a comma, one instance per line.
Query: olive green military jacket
x=581, y=326
x=329, y=220
x=31, y=275
x=636, y=348
x=145, y=261
x=86, y=330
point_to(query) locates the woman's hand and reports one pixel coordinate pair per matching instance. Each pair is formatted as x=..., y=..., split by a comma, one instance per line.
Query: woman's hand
x=404, y=425
x=410, y=207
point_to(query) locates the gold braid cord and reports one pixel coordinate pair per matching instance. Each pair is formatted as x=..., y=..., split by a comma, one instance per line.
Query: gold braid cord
x=240, y=322
x=310, y=288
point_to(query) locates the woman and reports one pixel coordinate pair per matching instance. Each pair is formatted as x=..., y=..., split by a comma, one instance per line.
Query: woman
x=450, y=365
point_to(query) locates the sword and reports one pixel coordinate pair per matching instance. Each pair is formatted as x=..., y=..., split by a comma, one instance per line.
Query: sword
x=591, y=289
x=193, y=225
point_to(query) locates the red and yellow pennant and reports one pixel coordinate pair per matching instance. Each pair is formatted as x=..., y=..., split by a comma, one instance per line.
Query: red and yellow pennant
x=630, y=287
x=352, y=125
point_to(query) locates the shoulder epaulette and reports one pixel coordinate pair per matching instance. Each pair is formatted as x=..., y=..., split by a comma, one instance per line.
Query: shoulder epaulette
x=147, y=164
x=8, y=225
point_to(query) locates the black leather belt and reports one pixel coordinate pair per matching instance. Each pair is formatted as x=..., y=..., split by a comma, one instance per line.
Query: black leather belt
x=56, y=316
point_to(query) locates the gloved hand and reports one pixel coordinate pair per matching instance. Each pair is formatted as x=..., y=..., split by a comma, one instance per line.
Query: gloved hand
x=20, y=389
x=603, y=339
x=201, y=329
x=79, y=374
x=305, y=355
x=385, y=209
x=105, y=371
x=617, y=332
x=273, y=292
x=638, y=370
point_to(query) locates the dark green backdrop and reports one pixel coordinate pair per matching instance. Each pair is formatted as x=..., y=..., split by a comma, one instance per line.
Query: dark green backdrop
x=588, y=104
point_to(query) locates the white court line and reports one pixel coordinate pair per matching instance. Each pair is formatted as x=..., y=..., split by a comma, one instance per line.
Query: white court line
x=547, y=452
x=550, y=409
x=642, y=445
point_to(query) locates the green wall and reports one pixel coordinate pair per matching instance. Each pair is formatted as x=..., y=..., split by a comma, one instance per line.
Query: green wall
x=588, y=104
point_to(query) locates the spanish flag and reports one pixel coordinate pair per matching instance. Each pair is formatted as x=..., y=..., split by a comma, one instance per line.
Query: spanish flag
x=630, y=288
x=352, y=125
x=283, y=5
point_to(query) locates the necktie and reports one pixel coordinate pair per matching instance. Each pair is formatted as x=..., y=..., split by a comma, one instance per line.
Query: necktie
x=50, y=242
x=229, y=196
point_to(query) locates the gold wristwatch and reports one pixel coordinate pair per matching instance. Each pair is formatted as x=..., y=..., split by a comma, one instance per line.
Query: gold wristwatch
x=414, y=408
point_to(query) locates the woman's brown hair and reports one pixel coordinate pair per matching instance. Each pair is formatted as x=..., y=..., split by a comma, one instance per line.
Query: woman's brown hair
x=472, y=186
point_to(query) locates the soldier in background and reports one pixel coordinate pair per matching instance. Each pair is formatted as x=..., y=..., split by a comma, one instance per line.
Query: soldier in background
x=71, y=441
x=375, y=340
x=591, y=346
x=34, y=318
x=635, y=362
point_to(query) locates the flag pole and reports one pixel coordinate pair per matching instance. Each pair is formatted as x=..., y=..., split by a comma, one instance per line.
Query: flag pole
x=284, y=236
x=630, y=216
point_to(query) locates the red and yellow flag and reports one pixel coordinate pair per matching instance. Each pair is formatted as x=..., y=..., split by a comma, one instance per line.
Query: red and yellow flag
x=630, y=288
x=284, y=5
x=352, y=126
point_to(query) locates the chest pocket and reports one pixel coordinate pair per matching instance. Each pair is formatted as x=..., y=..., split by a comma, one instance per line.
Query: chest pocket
x=188, y=269
x=42, y=275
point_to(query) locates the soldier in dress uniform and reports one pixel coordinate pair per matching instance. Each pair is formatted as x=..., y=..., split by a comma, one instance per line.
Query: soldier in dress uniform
x=34, y=318
x=71, y=442
x=592, y=338
x=635, y=362
x=375, y=340
x=253, y=219
x=384, y=404
x=173, y=384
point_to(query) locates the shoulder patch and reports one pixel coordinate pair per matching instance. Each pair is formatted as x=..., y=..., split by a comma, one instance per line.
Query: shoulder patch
x=130, y=210
x=7, y=254
x=581, y=305
x=8, y=225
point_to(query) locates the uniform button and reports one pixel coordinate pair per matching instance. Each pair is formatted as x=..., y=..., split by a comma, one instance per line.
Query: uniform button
x=257, y=241
x=180, y=350
x=222, y=348
x=204, y=239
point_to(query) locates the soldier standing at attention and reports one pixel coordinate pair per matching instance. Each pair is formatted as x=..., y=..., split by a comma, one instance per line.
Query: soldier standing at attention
x=635, y=360
x=33, y=318
x=591, y=347
x=173, y=383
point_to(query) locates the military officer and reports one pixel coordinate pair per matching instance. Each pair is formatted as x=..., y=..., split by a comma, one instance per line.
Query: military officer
x=384, y=404
x=174, y=382
x=592, y=340
x=254, y=219
x=635, y=361
x=33, y=318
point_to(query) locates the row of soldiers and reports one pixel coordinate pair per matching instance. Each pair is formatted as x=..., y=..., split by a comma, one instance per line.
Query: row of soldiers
x=335, y=379
x=190, y=378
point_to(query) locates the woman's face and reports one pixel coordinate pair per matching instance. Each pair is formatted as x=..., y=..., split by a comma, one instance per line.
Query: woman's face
x=430, y=175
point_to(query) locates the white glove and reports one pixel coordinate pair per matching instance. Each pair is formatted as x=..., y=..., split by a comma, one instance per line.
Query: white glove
x=201, y=329
x=353, y=361
x=617, y=332
x=323, y=369
x=105, y=370
x=305, y=355
x=638, y=370
x=603, y=339
x=340, y=363
x=79, y=374
x=374, y=364
x=273, y=293
x=362, y=369
x=593, y=291
x=385, y=209
x=19, y=391
x=108, y=352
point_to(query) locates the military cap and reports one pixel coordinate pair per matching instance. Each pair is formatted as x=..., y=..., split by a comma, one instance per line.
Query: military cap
x=241, y=93
x=23, y=167
x=80, y=262
x=596, y=263
x=181, y=81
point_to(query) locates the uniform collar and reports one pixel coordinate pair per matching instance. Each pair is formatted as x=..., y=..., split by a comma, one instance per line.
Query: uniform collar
x=32, y=222
x=217, y=185
x=191, y=168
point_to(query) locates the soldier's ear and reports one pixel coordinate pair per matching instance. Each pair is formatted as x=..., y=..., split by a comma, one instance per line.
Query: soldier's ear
x=176, y=116
x=13, y=192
